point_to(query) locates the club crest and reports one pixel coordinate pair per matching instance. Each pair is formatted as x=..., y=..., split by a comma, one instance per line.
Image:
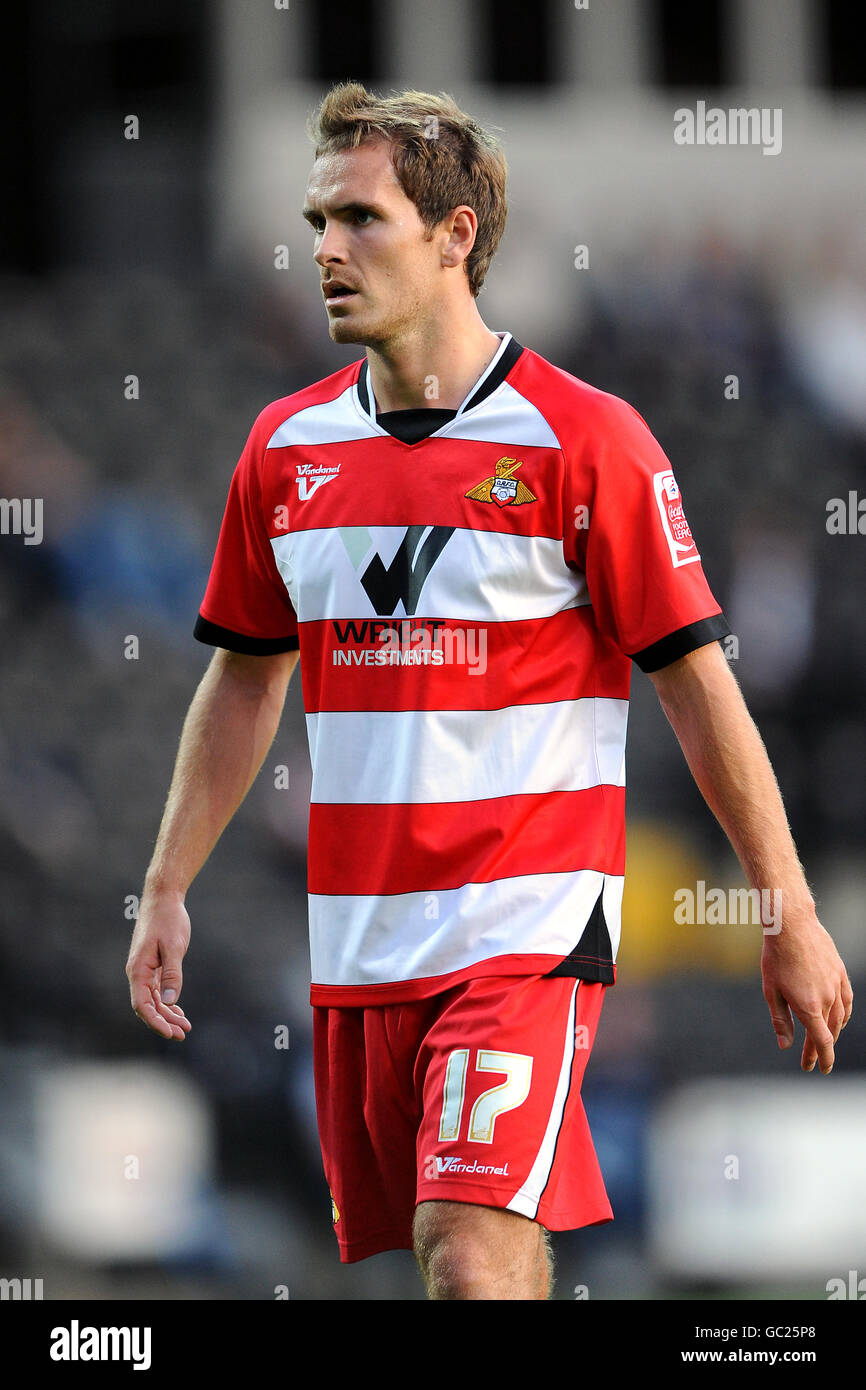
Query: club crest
x=503, y=488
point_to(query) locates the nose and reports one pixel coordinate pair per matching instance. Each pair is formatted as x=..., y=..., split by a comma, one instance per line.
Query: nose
x=329, y=247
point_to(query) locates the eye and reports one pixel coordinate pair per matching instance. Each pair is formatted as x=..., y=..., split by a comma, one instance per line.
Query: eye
x=360, y=214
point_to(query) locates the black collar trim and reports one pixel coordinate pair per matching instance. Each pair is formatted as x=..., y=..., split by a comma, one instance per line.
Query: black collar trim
x=494, y=379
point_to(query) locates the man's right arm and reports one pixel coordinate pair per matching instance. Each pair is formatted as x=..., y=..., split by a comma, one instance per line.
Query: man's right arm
x=228, y=730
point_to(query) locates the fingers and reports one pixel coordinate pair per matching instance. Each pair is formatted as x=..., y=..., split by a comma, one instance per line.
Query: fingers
x=170, y=981
x=810, y=1054
x=147, y=1009
x=818, y=1045
x=168, y=1020
x=836, y=1017
x=780, y=1014
x=847, y=994
x=176, y=1017
x=823, y=1024
x=822, y=1030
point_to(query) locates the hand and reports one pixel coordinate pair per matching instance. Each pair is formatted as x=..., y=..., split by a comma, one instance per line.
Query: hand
x=802, y=971
x=158, y=946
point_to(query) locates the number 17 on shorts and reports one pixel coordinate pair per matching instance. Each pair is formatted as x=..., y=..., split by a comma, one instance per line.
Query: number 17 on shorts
x=506, y=1127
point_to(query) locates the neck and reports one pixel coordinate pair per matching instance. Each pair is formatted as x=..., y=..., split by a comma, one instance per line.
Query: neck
x=433, y=365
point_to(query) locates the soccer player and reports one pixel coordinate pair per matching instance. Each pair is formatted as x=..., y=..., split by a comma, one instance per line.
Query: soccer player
x=466, y=547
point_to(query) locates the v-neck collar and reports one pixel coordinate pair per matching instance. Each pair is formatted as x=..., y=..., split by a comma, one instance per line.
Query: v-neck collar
x=493, y=375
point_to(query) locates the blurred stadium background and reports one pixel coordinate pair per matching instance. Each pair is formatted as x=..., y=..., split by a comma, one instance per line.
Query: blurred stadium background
x=136, y=1169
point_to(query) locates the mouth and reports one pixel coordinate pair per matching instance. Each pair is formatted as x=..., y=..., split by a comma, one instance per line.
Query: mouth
x=337, y=293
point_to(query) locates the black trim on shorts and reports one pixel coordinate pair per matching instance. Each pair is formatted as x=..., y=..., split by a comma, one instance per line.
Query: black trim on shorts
x=592, y=957
x=215, y=636
x=680, y=643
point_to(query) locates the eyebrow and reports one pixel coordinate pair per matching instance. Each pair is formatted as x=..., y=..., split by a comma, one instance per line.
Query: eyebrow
x=309, y=213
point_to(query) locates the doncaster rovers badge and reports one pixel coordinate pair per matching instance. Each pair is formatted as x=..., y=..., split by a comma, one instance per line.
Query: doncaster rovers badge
x=503, y=488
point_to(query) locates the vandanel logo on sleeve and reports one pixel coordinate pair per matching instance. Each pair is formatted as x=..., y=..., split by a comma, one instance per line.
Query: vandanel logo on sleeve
x=438, y=1167
x=312, y=476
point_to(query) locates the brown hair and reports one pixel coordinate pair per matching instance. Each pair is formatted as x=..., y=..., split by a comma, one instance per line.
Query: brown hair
x=442, y=158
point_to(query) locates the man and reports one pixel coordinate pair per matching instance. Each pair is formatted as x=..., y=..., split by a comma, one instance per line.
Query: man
x=466, y=547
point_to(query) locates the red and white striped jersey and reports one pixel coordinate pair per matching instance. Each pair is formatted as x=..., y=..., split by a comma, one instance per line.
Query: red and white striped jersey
x=467, y=608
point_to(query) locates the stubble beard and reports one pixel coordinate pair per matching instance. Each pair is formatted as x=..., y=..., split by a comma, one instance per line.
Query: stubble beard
x=381, y=329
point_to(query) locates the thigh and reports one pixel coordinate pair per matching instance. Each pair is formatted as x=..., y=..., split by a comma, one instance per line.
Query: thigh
x=503, y=1125
x=368, y=1121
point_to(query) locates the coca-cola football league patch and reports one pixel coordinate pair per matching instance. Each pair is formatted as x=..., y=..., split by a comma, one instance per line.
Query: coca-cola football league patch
x=680, y=540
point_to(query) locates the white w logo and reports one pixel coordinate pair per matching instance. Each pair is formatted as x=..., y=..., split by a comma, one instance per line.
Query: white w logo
x=407, y=573
x=306, y=487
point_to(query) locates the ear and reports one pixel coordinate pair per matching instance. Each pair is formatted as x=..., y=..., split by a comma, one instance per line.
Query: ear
x=462, y=228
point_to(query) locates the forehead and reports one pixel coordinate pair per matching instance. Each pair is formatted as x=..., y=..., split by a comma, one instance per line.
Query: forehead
x=353, y=175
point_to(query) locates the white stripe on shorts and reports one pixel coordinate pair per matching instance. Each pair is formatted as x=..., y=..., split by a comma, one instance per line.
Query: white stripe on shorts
x=526, y=1200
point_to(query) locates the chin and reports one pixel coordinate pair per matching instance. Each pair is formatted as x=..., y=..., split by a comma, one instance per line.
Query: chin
x=342, y=331
x=353, y=328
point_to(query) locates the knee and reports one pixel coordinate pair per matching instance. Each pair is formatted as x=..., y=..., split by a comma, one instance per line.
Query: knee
x=466, y=1252
x=455, y=1263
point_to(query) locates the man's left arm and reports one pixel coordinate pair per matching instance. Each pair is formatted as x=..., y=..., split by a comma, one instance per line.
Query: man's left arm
x=801, y=968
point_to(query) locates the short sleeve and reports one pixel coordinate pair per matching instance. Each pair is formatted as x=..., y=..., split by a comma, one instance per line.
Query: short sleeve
x=633, y=542
x=246, y=607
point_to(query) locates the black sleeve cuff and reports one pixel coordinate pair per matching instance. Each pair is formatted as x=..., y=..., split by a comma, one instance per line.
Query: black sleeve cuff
x=680, y=643
x=216, y=636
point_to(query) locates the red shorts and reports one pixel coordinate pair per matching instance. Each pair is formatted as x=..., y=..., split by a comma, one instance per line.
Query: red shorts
x=472, y=1095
